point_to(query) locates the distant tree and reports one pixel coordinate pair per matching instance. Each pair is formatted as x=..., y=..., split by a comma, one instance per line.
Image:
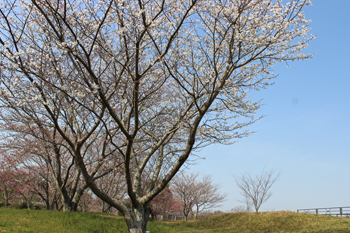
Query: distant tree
x=45, y=188
x=256, y=189
x=16, y=182
x=246, y=207
x=165, y=204
x=36, y=142
x=207, y=195
x=184, y=189
x=6, y=178
x=24, y=184
x=197, y=195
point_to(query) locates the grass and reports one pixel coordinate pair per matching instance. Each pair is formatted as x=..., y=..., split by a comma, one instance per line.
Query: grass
x=284, y=221
x=12, y=220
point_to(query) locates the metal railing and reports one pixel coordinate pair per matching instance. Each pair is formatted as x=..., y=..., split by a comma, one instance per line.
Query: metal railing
x=334, y=211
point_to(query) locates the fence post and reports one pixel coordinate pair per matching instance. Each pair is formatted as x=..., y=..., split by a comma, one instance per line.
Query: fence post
x=316, y=211
x=341, y=212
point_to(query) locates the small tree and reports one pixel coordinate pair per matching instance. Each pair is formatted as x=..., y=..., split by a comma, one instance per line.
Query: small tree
x=184, y=189
x=207, y=195
x=256, y=189
x=197, y=194
x=246, y=207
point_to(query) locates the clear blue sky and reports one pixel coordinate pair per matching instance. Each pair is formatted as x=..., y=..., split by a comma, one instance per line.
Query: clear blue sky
x=306, y=131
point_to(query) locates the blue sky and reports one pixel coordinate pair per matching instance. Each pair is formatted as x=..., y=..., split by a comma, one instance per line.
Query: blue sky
x=306, y=129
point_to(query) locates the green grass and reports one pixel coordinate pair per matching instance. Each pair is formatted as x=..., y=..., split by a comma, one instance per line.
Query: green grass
x=12, y=220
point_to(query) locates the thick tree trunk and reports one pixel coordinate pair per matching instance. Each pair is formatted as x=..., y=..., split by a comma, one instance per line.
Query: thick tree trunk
x=186, y=218
x=138, y=222
x=67, y=205
x=71, y=204
x=74, y=207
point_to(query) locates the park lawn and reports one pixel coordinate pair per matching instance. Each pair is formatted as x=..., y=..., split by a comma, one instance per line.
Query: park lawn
x=13, y=220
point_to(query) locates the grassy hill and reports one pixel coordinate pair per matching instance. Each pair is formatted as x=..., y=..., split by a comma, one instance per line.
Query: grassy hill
x=284, y=221
x=12, y=220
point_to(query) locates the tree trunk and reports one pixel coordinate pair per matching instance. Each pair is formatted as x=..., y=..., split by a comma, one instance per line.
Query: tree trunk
x=6, y=199
x=47, y=203
x=74, y=207
x=28, y=203
x=103, y=207
x=195, y=214
x=67, y=205
x=109, y=207
x=54, y=204
x=138, y=221
x=70, y=204
x=76, y=198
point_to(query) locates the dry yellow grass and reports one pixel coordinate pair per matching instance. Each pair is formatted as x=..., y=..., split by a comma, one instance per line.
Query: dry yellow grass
x=284, y=221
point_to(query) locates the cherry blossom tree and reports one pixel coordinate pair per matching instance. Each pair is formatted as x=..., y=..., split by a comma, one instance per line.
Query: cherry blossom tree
x=185, y=189
x=16, y=182
x=33, y=143
x=207, y=195
x=45, y=186
x=197, y=194
x=158, y=78
x=24, y=184
x=6, y=178
x=165, y=204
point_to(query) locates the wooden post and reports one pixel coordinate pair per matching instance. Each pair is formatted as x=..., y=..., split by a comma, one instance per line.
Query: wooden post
x=341, y=212
x=316, y=211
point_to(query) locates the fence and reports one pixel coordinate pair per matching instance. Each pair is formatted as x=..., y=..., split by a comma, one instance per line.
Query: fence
x=334, y=211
